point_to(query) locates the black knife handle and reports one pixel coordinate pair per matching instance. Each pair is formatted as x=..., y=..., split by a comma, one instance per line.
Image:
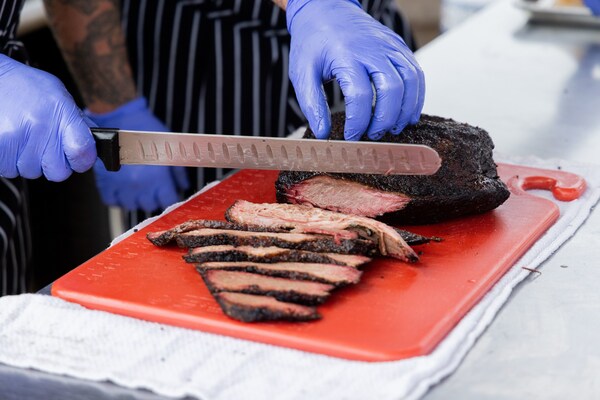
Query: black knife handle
x=107, y=147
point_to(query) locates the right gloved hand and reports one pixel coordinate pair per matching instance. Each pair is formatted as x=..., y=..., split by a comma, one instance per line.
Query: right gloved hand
x=337, y=39
x=137, y=187
x=41, y=128
x=593, y=5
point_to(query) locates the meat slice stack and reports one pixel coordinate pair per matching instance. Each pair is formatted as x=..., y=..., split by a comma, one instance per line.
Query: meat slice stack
x=279, y=261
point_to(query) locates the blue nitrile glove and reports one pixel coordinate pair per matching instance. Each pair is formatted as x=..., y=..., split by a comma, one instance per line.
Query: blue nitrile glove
x=136, y=187
x=41, y=128
x=593, y=5
x=337, y=39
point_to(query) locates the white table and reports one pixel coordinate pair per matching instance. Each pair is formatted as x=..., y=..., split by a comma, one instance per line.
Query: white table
x=536, y=90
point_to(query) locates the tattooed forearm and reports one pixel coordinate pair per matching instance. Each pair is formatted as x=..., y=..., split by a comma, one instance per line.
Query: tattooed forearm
x=101, y=60
x=281, y=3
x=92, y=42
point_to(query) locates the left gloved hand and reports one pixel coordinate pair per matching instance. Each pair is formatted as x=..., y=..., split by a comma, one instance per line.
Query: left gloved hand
x=593, y=5
x=337, y=39
x=134, y=187
x=41, y=128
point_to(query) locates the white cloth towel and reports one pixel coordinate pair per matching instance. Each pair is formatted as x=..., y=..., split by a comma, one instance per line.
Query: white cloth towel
x=52, y=335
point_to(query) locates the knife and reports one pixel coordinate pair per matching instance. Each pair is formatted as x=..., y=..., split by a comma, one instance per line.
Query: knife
x=117, y=146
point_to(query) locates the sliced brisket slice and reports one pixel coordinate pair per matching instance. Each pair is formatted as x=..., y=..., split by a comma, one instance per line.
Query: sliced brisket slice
x=254, y=308
x=270, y=255
x=307, y=219
x=333, y=274
x=297, y=241
x=466, y=183
x=162, y=238
x=294, y=291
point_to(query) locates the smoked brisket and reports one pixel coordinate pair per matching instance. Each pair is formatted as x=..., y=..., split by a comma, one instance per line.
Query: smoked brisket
x=466, y=183
x=163, y=238
x=255, y=308
x=296, y=241
x=288, y=290
x=306, y=219
x=338, y=275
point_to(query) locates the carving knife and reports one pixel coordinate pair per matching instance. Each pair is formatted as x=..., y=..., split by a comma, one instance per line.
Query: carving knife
x=117, y=146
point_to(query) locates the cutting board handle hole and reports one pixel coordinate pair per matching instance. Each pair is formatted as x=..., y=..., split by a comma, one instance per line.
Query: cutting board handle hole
x=566, y=187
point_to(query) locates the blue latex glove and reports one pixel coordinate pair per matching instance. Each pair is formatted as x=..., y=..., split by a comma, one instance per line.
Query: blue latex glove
x=337, y=39
x=593, y=5
x=137, y=187
x=41, y=128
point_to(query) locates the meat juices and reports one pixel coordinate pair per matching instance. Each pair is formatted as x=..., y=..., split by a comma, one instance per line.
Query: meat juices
x=466, y=183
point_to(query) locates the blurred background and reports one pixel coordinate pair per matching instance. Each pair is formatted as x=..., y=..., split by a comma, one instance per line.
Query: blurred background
x=70, y=224
x=425, y=18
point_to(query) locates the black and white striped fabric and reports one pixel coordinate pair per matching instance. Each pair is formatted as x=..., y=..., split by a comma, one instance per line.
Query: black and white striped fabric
x=15, y=240
x=9, y=20
x=221, y=66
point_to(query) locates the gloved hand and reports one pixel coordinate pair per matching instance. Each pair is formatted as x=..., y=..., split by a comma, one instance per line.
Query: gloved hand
x=136, y=187
x=41, y=128
x=337, y=39
x=593, y=5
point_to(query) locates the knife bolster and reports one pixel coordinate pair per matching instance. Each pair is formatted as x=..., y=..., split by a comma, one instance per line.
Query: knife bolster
x=107, y=147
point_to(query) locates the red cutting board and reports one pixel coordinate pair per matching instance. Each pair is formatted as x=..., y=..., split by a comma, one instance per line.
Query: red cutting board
x=396, y=311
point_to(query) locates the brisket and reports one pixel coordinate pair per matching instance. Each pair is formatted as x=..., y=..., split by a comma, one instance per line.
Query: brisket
x=254, y=308
x=306, y=219
x=163, y=238
x=337, y=275
x=303, y=292
x=297, y=241
x=270, y=255
x=466, y=183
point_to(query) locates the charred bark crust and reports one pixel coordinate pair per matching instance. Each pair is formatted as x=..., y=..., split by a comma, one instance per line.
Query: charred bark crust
x=466, y=183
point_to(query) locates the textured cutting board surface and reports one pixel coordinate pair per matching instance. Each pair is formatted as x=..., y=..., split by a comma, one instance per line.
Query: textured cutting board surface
x=396, y=311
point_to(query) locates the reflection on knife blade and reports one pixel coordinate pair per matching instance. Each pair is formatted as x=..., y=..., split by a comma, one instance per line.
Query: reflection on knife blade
x=117, y=147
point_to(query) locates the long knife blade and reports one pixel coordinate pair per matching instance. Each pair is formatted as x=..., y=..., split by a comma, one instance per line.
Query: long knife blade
x=116, y=147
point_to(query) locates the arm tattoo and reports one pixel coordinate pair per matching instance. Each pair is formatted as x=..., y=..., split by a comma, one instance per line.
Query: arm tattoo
x=94, y=48
x=102, y=59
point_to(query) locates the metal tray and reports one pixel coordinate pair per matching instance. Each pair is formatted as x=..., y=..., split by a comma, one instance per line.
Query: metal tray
x=548, y=11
